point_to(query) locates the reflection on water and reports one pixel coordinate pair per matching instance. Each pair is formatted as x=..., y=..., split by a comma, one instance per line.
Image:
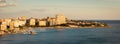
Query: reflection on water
x=66, y=36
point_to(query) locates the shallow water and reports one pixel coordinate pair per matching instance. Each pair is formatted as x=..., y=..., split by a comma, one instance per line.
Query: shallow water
x=67, y=36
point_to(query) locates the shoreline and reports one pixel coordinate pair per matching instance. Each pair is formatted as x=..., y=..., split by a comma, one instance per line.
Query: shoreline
x=72, y=27
x=23, y=24
x=27, y=29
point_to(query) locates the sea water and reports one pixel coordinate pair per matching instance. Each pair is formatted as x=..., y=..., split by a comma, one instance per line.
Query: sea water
x=68, y=35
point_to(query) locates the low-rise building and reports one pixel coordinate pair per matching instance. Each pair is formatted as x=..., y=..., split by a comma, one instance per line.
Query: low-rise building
x=22, y=23
x=3, y=22
x=31, y=22
x=0, y=21
x=51, y=21
x=3, y=27
x=23, y=18
x=16, y=23
x=11, y=25
x=42, y=23
x=6, y=21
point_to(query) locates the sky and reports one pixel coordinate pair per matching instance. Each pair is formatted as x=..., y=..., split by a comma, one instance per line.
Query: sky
x=72, y=9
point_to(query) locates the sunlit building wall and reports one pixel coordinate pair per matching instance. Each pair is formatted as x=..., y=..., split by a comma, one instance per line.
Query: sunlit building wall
x=60, y=19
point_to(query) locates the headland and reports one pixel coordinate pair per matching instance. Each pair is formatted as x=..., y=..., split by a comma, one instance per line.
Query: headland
x=23, y=24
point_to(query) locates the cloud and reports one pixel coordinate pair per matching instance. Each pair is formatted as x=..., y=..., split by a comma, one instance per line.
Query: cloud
x=7, y=5
x=3, y=3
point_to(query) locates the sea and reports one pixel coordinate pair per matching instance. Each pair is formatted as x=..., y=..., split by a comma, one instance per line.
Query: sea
x=109, y=35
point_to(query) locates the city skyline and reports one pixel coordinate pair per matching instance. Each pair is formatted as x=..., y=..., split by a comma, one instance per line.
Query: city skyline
x=72, y=9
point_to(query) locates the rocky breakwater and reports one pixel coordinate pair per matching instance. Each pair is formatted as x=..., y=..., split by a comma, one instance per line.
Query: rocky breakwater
x=85, y=24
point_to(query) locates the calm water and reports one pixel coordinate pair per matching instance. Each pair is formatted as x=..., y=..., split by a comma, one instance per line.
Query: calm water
x=68, y=36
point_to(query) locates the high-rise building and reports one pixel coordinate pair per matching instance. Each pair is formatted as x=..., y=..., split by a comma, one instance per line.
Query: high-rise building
x=60, y=19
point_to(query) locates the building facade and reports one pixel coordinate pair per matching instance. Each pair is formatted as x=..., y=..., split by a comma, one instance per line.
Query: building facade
x=3, y=27
x=51, y=21
x=60, y=19
x=42, y=23
x=31, y=22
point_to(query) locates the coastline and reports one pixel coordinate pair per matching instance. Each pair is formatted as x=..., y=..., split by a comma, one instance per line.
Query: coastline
x=23, y=24
x=28, y=29
x=73, y=27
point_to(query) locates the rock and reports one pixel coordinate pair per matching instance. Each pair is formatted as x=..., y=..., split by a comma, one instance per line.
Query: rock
x=32, y=33
x=2, y=33
x=16, y=30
